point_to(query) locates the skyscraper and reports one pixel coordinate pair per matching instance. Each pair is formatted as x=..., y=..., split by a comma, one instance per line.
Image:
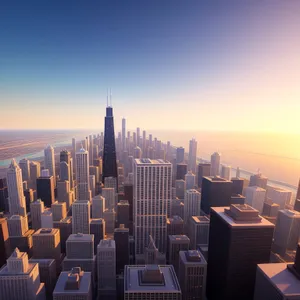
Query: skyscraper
x=121, y=237
x=215, y=191
x=106, y=268
x=3, y=195
x=226, y=172
x=35, y=172
x=298, y=191
x=4, y=241
x=255, y=197
x=151, y=202
x=20, y=279
x=49, y=162
x=239, y=239
x=82, y=175
x=109, y=152
x=215, y=164
x=124, y=134
x=16, y=202
x=203, y=170
x=45, y=189
x=192, y=205
x=25, y=167
x=192, y=274
x=192, y=156
x=179, y=155
x=81, y=217
x=258, y=180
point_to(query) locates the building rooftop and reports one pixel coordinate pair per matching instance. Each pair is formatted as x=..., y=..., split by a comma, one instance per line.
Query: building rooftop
x=192, y=257
x=66, y=280
x=200, y=219
x=97, y=221
x=216, y=179
x=281, y=278
x=147, y=161
x=123, y=202
x=151, y=278
x=46, y=231
x=79, y=237
x=290, y=213
x=109, y=243
x=175, y=220
x=246, y=216
x=175, y=238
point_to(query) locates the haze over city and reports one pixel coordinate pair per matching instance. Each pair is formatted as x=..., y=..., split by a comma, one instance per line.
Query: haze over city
x=150, y=150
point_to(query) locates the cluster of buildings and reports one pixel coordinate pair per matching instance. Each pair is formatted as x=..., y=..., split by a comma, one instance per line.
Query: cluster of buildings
x=130, y=217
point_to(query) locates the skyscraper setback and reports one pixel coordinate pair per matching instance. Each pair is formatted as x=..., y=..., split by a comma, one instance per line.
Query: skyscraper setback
x=109, y=152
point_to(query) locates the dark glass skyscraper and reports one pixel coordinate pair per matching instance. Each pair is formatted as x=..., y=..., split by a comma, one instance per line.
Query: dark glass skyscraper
x=109, y=152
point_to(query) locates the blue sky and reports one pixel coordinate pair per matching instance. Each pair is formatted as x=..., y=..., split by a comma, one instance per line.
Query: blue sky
x=168, y=59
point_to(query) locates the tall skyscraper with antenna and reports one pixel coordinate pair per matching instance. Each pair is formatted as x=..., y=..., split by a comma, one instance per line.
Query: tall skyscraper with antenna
x=109, y=152
x=124, y=134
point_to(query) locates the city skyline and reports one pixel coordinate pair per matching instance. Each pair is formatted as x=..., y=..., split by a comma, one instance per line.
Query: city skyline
x=155, y=57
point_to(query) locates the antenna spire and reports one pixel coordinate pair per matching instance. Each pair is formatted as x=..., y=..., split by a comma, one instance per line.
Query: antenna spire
x=107, y=97
x=110, y=96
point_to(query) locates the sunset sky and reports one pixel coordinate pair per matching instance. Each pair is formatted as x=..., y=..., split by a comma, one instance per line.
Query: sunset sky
x=189, y=65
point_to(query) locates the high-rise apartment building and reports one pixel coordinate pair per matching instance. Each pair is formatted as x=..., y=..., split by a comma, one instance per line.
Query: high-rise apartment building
x=192, y=205
x=16, y=200
x=237, y=185
x=59, y=211
x=121, y=237
x=20, y=279
x=98, y=207
x=46, y=244
x=151, y=202
x=106, y=268
x=239, y=239
x=35, y=172
x=82, y=175
x=97, y=228
x=80, y=253
x=192, y=275
x=226, y=172
x=151, y=282
x=279, y=196
x=190, y=180
x=192, y=156
x=181, y=170
x=255, y=197
x=215, y=160
x=81, y=217
x=287, y=231
x=49, y=162
x=198, y=231
x=108, y=193
x=177, y=243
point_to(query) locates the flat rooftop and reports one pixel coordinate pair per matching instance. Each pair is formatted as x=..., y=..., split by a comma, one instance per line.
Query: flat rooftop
x=148, y=161
x=175, y=238
x=109, y=243
x=261, y=223
x=84, y=286
x=133, y=284
x=79, y=237
x=200, y=219
x=46, y=231
x=281, y=278
x=216, y=179
x=192, y=257
x=4, y=270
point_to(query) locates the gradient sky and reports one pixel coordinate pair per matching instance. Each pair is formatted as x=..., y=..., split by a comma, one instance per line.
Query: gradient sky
x=190, y=65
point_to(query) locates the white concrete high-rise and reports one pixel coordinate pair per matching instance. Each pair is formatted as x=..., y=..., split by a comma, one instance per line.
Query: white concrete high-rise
x=255, y=197
x=226, y=172
x=151, y=202
x=279, y=196
x=16, y=199
x=192, y=156
x=190, y=180
x=106, y=268
x=192, y=205
x=82, y=175
x=81, y=217
x=215, y=160
x=49, y=162
x=287, y=231
x=20, y=279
